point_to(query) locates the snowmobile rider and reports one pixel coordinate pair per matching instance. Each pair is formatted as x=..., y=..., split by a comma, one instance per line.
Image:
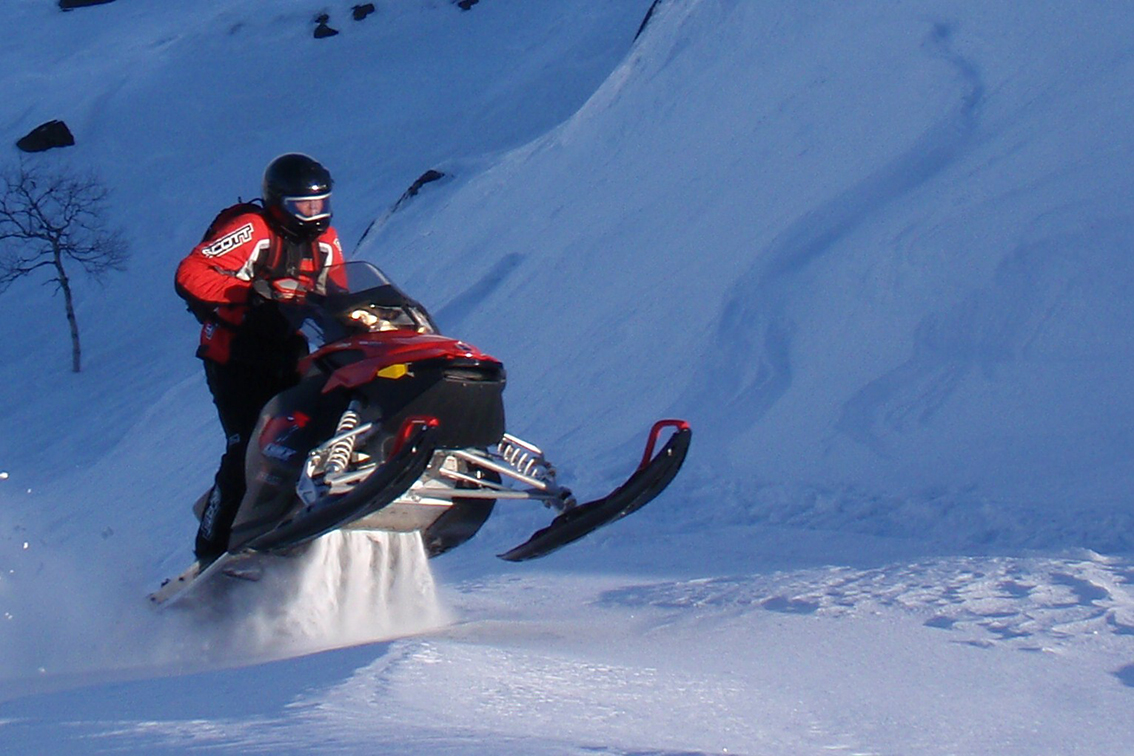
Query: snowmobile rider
x=253, y=259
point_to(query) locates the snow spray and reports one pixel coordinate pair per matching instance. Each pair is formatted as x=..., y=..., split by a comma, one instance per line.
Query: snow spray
x=347, y=588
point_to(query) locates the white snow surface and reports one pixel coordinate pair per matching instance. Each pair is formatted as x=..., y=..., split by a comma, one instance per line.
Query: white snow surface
x=877, y=254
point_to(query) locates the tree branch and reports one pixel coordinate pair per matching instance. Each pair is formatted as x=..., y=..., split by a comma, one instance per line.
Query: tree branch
x=48, y=219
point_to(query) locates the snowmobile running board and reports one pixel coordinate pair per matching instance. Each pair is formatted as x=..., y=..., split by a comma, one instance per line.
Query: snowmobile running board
x=649, y=480
x=179, y=587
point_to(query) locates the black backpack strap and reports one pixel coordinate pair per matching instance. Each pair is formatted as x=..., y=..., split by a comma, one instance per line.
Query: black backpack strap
x=240, y=208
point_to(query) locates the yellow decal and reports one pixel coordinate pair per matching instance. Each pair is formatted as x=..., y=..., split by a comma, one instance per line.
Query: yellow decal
x=393, y=371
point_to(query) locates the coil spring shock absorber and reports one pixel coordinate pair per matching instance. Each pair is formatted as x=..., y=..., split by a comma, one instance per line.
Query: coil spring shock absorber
x=524, y=459
x=338, y=458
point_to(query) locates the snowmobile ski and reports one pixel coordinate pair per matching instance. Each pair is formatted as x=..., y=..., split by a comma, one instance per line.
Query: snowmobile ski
x=405, y=465
x=650, y=479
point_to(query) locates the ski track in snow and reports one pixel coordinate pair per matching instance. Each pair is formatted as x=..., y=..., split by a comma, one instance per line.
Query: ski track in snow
x=755, y=314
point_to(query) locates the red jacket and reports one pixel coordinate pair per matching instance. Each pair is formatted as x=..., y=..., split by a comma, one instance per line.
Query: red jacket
x=216, y=280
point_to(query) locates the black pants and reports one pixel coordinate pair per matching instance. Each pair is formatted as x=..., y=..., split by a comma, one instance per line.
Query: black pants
x=240, y=391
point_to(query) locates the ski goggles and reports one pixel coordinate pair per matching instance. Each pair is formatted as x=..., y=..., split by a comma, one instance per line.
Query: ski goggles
x=309, y=208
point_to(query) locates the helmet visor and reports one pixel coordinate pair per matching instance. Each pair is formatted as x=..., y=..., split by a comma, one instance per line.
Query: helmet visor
x=308, y=208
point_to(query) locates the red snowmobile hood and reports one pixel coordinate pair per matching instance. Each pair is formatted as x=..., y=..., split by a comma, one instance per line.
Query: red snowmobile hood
x=389, y=350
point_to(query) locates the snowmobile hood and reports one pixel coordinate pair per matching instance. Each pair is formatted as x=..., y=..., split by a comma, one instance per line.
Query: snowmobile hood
x=390, y=354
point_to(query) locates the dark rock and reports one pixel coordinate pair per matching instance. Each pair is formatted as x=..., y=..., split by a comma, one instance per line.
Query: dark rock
x=422, y=180
x=322, y=31
x=72, y=4
x=45, y=136
x=322, y=18
x=466, y=4
x=415, y=187
x=360, y=12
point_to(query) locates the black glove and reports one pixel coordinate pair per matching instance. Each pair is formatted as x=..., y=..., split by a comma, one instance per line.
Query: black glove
x=262, y=334
x=280, y=289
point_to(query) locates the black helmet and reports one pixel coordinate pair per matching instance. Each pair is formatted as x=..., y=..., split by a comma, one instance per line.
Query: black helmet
x=297, y=195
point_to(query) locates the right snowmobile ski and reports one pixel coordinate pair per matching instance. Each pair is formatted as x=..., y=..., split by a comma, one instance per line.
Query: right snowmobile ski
x=383, y=486
x=386, y=483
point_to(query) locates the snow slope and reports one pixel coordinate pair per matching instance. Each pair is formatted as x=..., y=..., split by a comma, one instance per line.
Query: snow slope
x=876, y=253
x=901, y=275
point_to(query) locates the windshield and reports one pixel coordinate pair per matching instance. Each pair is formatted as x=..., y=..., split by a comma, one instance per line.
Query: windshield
x=353, y=276
x=354, y=298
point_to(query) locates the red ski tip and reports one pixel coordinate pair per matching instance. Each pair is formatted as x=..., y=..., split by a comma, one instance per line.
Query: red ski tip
x=680, y=425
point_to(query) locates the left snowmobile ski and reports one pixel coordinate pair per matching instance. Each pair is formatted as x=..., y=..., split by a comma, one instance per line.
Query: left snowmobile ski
x=650, y=479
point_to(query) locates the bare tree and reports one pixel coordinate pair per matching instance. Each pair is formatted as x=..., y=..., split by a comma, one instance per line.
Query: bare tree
x=49, y=220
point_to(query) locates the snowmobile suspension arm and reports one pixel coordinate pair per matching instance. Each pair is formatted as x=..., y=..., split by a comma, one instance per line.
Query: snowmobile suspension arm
x=475, y=459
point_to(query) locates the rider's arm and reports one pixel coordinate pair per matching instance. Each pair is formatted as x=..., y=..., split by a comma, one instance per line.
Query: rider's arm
x=219, y=270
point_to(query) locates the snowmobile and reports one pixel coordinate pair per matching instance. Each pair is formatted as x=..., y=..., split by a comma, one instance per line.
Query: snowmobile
x=396, y=427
